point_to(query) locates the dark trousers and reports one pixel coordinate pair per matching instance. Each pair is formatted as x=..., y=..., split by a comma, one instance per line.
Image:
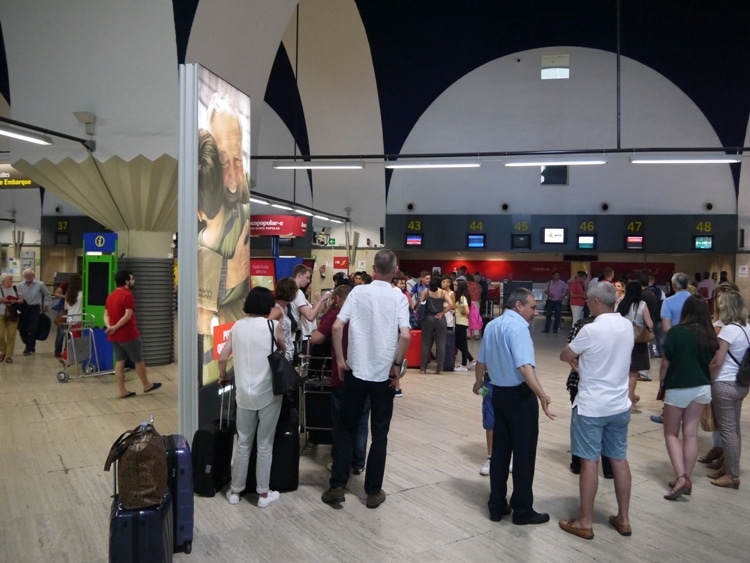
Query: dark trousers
x=28, y=325
x=553, y=308
x=359, y=449
x=515, y=433
x=462, y=344
x=356, y=393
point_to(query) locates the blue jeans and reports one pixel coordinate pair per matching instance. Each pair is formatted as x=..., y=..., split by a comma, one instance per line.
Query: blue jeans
x=356, y=393
x=359, y=452
x=553, y=308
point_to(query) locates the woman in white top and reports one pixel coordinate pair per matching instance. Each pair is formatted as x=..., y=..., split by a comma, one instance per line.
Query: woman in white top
x=727, y=396
x=257, y=407
x=73, y=305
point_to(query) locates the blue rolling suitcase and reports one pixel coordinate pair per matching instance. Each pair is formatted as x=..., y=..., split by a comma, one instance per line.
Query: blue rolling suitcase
x=180, y=481
x=143, y=534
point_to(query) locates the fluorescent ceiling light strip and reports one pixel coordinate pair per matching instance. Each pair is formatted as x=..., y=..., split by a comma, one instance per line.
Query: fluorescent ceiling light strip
x=278, y=205
x=321, y=217
x=260, y=201
x=335, y=221
x=303, y=212
x=319, y=165
x=558, y=162
x=685, y=158
x=28, y=136
x=434, y=164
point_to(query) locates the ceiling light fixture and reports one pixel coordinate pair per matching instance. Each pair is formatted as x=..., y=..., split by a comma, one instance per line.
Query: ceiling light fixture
x=571, y=160
x=685, y=158
x=415, y=164
x=303, y=212
x=318, y=165
x=279, y=206
x=260, y=201
x=28, y=136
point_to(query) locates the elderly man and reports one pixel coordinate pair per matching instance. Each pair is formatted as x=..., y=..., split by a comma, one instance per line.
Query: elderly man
x=379, y=336
x=601, y=410
x=671, y=308
x=507, y=353
x=34, y=294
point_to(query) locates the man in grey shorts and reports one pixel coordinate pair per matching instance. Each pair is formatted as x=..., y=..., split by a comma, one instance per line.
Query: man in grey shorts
x=601, y=410
x=122, y=332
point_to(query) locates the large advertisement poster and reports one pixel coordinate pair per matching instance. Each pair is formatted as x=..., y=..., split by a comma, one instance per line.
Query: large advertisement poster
x=223, y=213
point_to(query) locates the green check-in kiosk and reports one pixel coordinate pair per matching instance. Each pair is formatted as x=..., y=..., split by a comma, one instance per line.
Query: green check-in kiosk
x=99, y=268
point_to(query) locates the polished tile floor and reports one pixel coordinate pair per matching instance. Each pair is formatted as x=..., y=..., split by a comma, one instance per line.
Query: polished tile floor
x=55, y=496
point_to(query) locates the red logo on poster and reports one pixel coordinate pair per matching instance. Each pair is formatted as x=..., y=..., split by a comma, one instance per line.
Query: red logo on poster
x=340, y=262
x=221, y=335
x=279, y=225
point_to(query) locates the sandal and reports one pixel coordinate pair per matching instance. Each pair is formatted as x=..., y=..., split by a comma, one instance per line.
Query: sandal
x=9, y=360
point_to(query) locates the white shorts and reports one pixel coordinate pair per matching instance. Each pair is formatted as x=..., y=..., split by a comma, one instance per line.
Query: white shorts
x=681, y=398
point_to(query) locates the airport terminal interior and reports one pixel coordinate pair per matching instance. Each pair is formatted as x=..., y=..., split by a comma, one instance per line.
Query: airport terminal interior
x=56, y=495
x=539, y=137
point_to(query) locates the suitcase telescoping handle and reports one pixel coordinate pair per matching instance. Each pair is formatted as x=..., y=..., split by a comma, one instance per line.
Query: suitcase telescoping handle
x=224, y=393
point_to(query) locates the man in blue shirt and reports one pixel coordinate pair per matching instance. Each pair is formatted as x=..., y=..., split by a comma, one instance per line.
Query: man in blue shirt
x=671, y=309
x=507, y=353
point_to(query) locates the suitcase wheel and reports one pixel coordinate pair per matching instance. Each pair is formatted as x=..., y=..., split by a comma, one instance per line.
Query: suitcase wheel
x=62, y=376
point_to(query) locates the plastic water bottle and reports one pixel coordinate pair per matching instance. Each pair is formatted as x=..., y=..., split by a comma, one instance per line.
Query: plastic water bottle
x=484, y=390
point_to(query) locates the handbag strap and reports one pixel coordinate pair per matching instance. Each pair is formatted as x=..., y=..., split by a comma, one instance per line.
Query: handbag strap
x=274, y=344
x=121, y=444
x=746, y=338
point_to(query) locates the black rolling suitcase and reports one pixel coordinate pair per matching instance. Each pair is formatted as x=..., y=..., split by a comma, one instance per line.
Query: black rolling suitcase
x=180, y=481
x=285, y=464
x=212, y=452
x=317, y=411
x=449, y=360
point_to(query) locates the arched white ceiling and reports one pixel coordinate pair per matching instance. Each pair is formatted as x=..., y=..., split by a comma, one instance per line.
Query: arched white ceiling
x=504, y=106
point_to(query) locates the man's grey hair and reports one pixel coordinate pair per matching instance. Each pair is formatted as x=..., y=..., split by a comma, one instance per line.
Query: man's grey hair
x=680, y=280
x=604, y=292
x=29, y=271
x=521, y=294
x=385, y=262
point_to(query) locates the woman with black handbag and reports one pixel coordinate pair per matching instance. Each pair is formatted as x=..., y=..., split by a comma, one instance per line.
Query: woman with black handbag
x=257, y=407
x=633, y=307
x=727, y=394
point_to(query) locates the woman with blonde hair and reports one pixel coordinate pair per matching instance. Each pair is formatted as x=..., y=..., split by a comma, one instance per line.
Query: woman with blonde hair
x=715, y=456
x=8, y=317
x=727, y=395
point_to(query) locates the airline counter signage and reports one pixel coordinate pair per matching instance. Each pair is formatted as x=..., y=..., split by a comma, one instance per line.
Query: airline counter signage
x=278, y=225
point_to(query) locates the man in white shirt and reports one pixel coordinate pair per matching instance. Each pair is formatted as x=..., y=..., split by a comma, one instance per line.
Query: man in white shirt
x=379, y=336
x=601, y=410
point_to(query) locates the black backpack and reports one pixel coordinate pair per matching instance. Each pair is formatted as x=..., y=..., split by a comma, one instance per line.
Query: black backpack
x=743, y=371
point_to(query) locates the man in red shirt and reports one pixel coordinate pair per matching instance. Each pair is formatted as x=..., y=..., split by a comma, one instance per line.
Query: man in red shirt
x=122, y=332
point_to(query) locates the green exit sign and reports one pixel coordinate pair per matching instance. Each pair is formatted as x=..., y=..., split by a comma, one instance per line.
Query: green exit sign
x=331, y=242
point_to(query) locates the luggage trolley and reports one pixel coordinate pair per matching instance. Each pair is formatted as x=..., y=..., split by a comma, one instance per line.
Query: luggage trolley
x=80, y=347
x=315, y=401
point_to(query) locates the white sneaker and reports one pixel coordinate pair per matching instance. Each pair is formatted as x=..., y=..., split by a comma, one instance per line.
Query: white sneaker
x=460, y=368
x=273, y=496
x=232, y=497
x=472, y=364
x=485, y=470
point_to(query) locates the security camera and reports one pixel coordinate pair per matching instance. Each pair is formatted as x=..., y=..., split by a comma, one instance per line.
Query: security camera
x=605, y=206
x=708, y=205
x=59, y=209
x=505, y=207
x=410, y=206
